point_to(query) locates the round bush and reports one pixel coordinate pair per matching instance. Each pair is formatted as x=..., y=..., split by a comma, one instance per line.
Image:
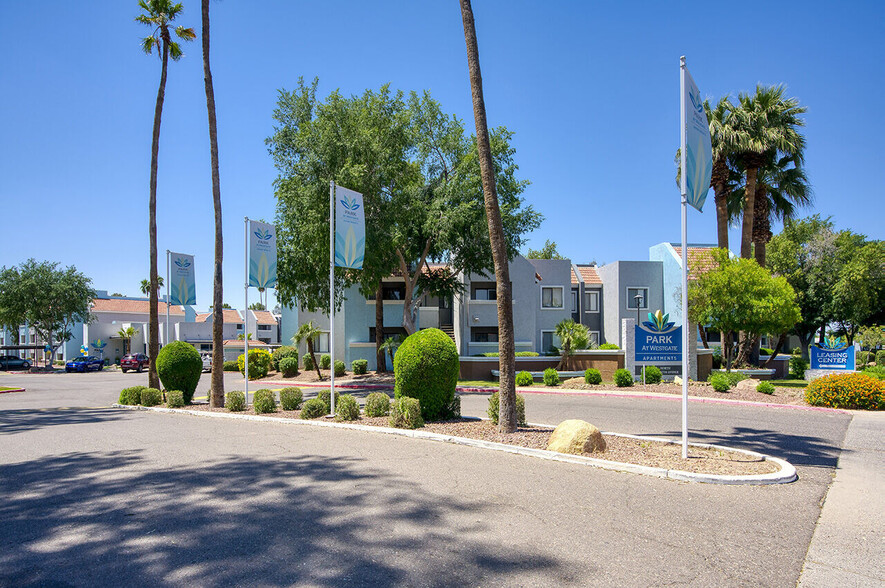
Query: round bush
x=347, y=408
x=236, y=401
x=313, y=409
x=180, y=366
x=405, y=413
x=494, y=403
x=230, y=366
x=853, y=391
x=340, y=368
x=281, y=353
x=359, y=366
x=720, y=382
x=652, y=375
x=765, y=387
x=308, y=361
x=290, y=398
x=623, y=378
x=151, y=397
x=327, y=399
x=259, y=363
x=377, y=404
x=175, y=399
x=798, y=367
x=263, y=401
x=131, y=396
x=325, y=361
x=592, y=376
x=426, y=368
x=524, y=378
x=289, y=366
x=551, y=377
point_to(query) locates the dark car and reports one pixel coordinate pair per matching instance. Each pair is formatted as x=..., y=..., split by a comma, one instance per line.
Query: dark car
x=134, y=361
x=11, y=362
x=84, y=364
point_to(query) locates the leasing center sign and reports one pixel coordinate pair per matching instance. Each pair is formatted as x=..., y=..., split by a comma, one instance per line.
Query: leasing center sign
x=833, y=354
x=658, y=341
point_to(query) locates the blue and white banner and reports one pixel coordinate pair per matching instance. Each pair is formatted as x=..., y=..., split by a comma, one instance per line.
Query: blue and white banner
x=262, y=255
x=833, y=354
x=350, y=229
x=182, y=289
x=658, y=341
x=698, y=146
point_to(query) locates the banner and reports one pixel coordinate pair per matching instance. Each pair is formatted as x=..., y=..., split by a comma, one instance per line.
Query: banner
x=350, y=229
x=658, y=341
x=262, y=255
x=698, y=146
x=182, y=288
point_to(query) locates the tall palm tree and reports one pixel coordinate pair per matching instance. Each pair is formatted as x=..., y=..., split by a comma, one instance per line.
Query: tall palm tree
x=146, y=285
x=726, y=140
x=506, y=346
x=158, y=15
x=768, y=121
x=216, y=397
x=307, y=333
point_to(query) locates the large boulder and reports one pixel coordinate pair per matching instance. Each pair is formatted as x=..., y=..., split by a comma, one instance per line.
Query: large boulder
x=748, y=385
x=577, y=437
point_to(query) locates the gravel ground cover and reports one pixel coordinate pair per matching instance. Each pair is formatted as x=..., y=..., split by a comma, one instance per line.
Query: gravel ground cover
x=782, y=395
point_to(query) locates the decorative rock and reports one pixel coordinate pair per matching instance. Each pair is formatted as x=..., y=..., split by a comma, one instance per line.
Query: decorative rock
x=748, y=384
x=576, y=437
x=677, y=380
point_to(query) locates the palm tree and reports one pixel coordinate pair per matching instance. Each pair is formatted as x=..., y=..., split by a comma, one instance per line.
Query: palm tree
x=307, y=333
x=726, y=140
x=158, y=15
x=389, y=345
x=506, y=346
x=767, y=121
x=216, y=397
x=146, y=285
x=127, y=334
x=572, y=336
x=242, y=337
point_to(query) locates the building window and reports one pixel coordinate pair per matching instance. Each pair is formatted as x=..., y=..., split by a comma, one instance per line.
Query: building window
x=594, y=339
x=391, y=292
x=483, y=291
x=484, y=334
x=205, y=347
x=321, y=343
x=389, y=332
x=551, y=297
x=239, y=326
x=263, y=327
x=591, y=301
x=574, y=301
x=632, y=298
x=549, y=342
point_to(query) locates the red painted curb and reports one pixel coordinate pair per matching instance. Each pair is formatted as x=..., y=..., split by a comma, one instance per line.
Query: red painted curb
x=13, y=390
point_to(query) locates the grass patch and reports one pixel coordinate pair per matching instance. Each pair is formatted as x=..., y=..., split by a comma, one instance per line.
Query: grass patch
x=479, y=383
x=790, y=383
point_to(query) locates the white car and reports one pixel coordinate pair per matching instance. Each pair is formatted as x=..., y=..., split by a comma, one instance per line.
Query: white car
x=207, y=362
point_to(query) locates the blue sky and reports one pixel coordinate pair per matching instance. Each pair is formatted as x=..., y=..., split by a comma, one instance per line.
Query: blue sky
x=590, y=90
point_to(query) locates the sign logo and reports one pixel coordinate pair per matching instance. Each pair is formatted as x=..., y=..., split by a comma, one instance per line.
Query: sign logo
x=182, y=262
x=264, y=234
x=350, y=204
x=833, y=354
x=658, y=322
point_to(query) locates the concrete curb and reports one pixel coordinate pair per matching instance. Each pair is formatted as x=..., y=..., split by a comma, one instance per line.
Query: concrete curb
x=786, y=474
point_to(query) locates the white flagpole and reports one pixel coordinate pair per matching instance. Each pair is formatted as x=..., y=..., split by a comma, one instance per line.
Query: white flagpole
x=246, y=324
x=332, y=292
x=168, y=271
x=685, y=323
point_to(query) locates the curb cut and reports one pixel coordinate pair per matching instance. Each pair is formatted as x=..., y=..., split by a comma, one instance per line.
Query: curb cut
x=785, y=475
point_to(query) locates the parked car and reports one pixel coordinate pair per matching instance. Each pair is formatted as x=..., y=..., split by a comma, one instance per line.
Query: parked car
x=12, y=362
x=134, y=361
x=84, y=364
x=207, y=362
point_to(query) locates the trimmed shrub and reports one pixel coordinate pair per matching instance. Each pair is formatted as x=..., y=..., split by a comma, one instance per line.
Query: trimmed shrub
x=494, y=403
x=798, y=365
x=175, y=399
x=592, y=376
x=720, y=382
x=551, y=377
x=877, y=372
x=608, y=346
x=426, y=368
x=765, y=387
x=880, y=357
x=230, y=366
x=180, y=366
x=259, y=363
x=291, y=398
x=853, y=391
x=377, y=404
x=325, y=361
x=359, y=366
x=151, y=397
x=405, y=412
x=766, y=351
x=131, y=396
x=347, y=408
x=289, y=366
x=652, y=375
x=326, y=398
x=263, y=401
x=308, y=362
x=281, y=353
x=861, y=359
x=623, y=378
x=524, y=378
x=340, y=368
x=734, y=378
x=313, y=409
x=235, y=401
x=453, y=410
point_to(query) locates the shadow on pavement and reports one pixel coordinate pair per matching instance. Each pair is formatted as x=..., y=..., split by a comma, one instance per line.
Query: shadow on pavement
x=105, y=519
x=18, y=420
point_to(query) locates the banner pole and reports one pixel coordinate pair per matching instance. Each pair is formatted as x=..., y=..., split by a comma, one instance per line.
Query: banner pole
x=168, y=271
x=245, y=325
x=685, y=322
x=332, y=294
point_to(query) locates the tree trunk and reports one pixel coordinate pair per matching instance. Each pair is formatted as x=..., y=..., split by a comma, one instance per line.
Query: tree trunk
x=703, y=333
x=380, y=357
x=216, y=397
x=313, y=358
x=720, y=190
x=761, y=223
x=410, y=303
x=506, y=347
x=153, y=304
x=749, y=204
x=780, y=341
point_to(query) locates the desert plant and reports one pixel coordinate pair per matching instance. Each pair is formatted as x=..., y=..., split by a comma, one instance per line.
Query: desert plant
x=263, y=401
x=290, y=398
x=347, y=408
x=151, y=397
x=592, y=376
x=652, y=375
x=551, y=377
x=281, y=353
x=765, y=387
x=405, y=412
x=175, y=399
x=359, y=366
x=720, y=382
x=524, y=378
x=798, y=365
x=623, y=378
x=236, y=401
x=852, y=390
x=230, y=366
x=377, y=404
x=325, y=361
x=609, y=346
x=180, y=366
x=452, y=410
x=314, y=408
x=308, y=332
x=494, y=402
x=426, y=368
x=131, y=396
x=308, y=361
x=259, y=363
x=340, y=368
x=327, y=399
x=289, y=366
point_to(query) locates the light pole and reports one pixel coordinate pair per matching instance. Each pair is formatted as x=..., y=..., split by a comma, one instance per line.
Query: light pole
x=638, y=299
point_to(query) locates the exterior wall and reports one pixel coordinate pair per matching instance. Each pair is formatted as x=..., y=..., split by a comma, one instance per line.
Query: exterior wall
x=672, y=279
x=616, y=278
x=591, y=320
x=270, y=336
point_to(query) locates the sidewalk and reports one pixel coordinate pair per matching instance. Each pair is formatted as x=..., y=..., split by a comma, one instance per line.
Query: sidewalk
x=849, y=540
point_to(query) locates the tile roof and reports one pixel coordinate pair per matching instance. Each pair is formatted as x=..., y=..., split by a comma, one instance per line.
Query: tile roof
x=589, y=274
x=700, y=260
x=239, y=343
x=230, y=316
x=133, y=306
x=264, y=317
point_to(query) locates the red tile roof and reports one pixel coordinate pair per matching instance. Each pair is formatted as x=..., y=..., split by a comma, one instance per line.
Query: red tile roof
x=133, y=306
x=590, y=275
x=229, y=315
x=700, y=260
x=264, y=317
x=239, y=343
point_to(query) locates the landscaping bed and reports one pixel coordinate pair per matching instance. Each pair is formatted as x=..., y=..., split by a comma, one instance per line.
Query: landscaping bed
x=782, y=395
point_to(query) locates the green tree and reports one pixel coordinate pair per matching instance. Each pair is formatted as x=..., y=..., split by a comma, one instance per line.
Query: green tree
x=146, y=285
x=45, y=297
x=243, y=337
x=872, y=336
x=742, y=296
x=572, y=336
x=548, y=251
x=127, y=334
x=307, y=333
x=389, y=346
x=257, y=306
x=158, y=14
x=859, y=292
